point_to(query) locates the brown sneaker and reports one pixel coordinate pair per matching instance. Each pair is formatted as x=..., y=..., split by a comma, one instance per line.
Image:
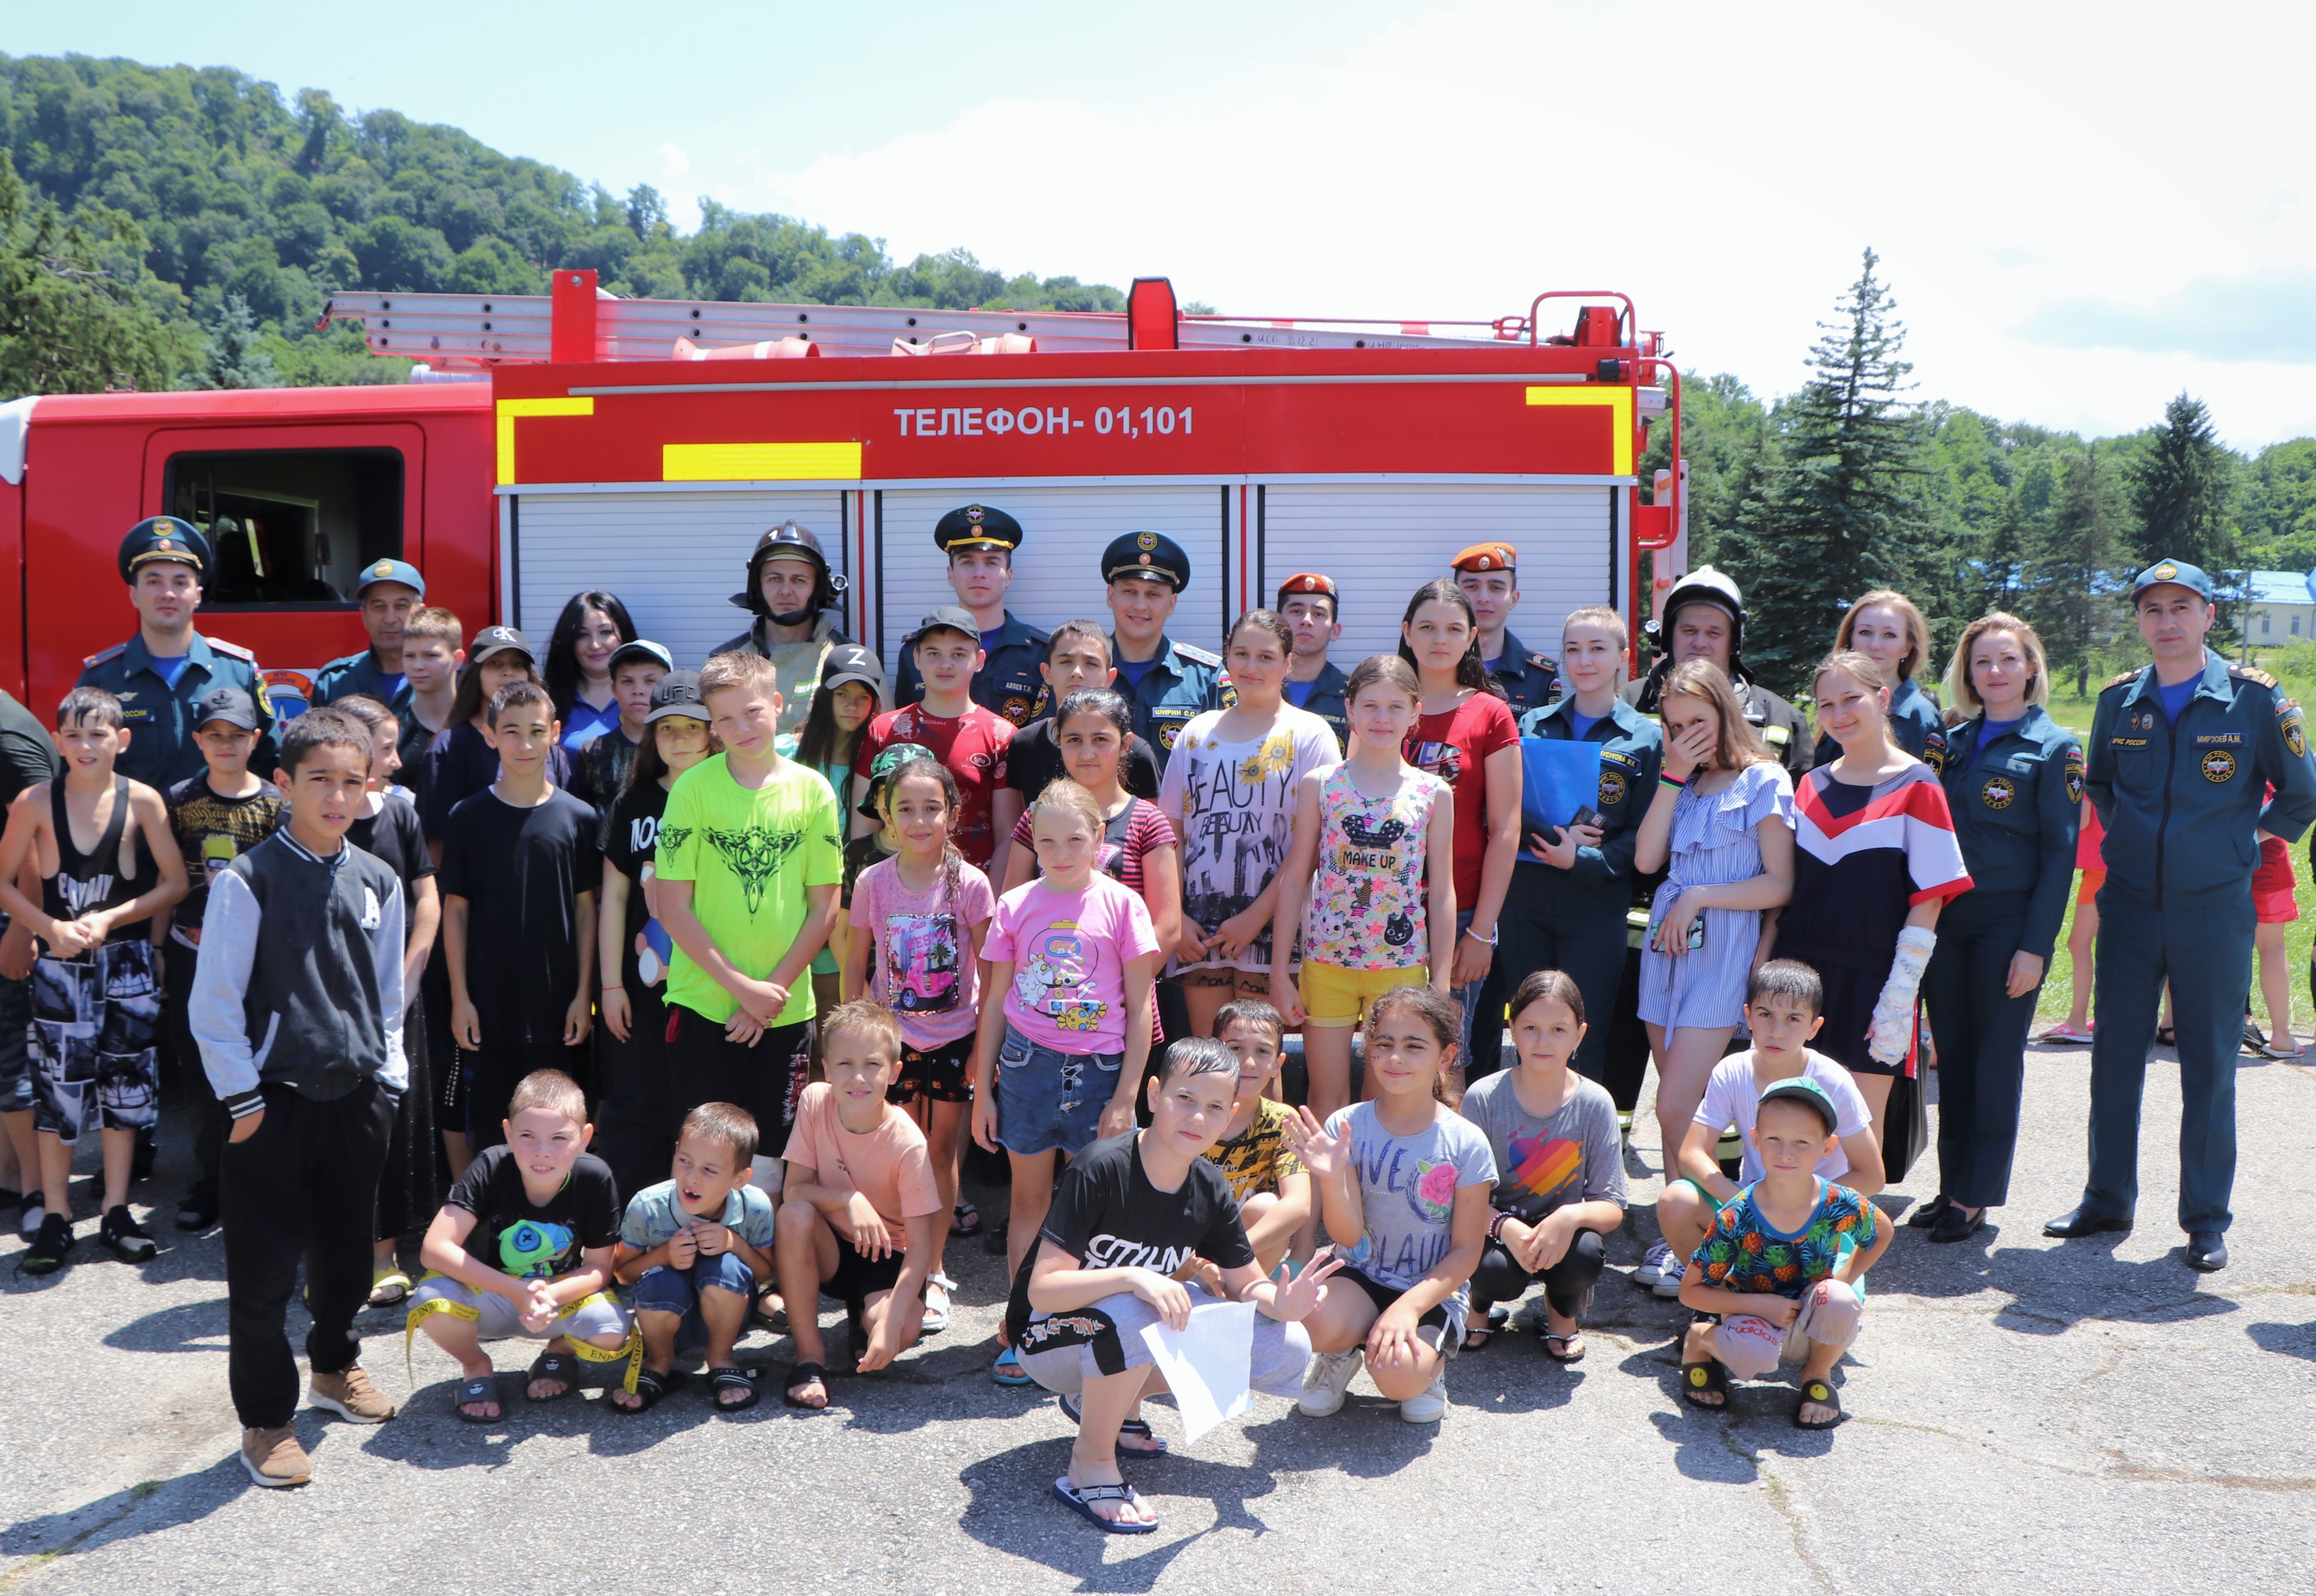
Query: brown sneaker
x=274, y=1459
x=350, y=1394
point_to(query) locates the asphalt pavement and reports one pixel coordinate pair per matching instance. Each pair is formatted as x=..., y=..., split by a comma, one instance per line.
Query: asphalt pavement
x=2026, y=1415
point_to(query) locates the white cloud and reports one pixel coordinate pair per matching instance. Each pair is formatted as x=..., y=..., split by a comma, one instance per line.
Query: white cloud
x=672, y=157
x=1723, y=164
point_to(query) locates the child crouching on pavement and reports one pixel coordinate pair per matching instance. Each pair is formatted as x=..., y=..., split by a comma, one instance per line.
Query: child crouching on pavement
x=862, y=1217
x=1255, y=1154
x=1774, y=1266
x=522, y=1248
x=694, y=1249
x=1132, y=1213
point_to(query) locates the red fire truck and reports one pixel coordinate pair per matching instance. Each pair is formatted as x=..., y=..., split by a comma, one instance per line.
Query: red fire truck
x=576, y=441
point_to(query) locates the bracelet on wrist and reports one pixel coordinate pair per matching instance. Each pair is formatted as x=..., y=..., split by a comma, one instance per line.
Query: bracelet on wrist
x=1667, y=779
x=1488, y=940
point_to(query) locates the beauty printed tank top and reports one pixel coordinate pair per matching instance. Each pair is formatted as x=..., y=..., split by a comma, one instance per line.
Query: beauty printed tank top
x=86, y=882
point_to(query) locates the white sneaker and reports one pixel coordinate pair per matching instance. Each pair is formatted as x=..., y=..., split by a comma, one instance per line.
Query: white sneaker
x=1668, y=1279
x=1431, y=1406
x=1652, y=1264
x=1327, y=1379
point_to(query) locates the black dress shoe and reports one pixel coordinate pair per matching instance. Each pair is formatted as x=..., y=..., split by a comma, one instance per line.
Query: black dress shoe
x=2085, y=1220
x=1931, y=1213
x=2208, y=1251
x=1958, y=1225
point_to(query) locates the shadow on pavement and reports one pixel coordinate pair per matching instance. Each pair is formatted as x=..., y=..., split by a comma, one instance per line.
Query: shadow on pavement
x=146, y=1508
x=2289, y=1340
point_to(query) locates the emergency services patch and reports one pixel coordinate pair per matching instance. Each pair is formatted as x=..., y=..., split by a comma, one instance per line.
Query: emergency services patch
x=1934, y=755
x=2219, y=765
x=1017, y=709
x=2074, y=775
x=2295, y=728
x=1998, y=793
x=1612, y=787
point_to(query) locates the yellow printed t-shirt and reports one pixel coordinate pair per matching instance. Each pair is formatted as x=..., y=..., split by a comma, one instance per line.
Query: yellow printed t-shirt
x=749, y=855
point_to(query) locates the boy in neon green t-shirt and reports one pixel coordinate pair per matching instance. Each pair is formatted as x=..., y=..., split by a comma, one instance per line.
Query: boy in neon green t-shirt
x=748, y=866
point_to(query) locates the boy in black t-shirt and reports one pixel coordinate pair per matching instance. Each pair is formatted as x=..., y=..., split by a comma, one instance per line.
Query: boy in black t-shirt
x=218, y=816
x=522, y=1247
x=1077, y=656
x=520, y=868
x=1132, y=1215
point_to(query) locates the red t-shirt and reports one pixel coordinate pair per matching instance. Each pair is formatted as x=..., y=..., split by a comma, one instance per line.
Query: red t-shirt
x=971, y=745
x=1454, y=746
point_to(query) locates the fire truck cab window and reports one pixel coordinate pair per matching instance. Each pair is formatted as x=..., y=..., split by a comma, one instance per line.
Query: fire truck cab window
x=290, y=527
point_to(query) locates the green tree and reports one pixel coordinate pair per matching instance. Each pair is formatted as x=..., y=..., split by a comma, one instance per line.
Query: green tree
x=2072, y=584
x=2180, y=487
x=232, y=355
x=1840, y=512
x=69, y=325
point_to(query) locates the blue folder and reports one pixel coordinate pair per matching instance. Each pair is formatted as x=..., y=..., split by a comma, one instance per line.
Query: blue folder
x=1557, y=778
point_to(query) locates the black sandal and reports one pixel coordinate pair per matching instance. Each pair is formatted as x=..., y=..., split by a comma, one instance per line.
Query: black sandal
x=1127, y=1429
x=1698, y=1379
x=1496, y=1319
x=731, y=1378
x=483, y=1387
x=775, y=1319
x=552, y=1365
x=1821, y=1394
x=965, y=1221
x=1571, y=1346
x=651, y=1385
x=801, y=1375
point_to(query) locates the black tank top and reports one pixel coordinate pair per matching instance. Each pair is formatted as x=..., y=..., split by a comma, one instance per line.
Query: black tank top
x=84, y=882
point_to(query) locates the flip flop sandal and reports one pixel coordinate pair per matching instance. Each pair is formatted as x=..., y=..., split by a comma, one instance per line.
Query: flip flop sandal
x=965, y=1221
x=483, y=1387
x=552, y=1365
x=1139, y=1428
x=1821, y=1394
x=1698, y=1378
x=1571, y=1347
x=389, y=1288
x=1079, y=1500
x=801, y=1375
x=651, y=1385
x=730, y=1379
x=1498, y=1318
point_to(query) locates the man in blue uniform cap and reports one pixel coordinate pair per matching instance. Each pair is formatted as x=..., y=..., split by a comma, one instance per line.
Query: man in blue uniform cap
x=980, y=541
x=2181, y=753
x=1164, y=682
x=162, y=674
x=389, y=593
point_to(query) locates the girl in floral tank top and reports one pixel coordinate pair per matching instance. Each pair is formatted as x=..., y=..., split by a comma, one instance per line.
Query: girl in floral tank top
x=1370, y=881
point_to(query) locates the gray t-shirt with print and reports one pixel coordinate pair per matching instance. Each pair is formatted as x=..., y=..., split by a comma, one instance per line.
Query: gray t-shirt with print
x=1570, y=1154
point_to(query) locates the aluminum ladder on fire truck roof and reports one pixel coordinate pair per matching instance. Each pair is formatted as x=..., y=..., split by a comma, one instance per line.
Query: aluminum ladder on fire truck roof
x=468, y=331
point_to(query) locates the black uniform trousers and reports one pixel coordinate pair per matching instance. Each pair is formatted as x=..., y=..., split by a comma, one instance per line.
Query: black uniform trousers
x=633, y=1124
x=209, y=1118
x=303, y=1184
x=1982, y=1035
x=1550, y=924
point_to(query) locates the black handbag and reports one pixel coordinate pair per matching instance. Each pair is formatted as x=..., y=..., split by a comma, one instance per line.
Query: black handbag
x=1905, y=1119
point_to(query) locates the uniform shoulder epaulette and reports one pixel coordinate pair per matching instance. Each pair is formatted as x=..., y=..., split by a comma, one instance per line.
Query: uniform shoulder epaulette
x=1205, y=659
x=1037, y=634
x=2251, y=674
x=2119, y=679
x=1544, y=661
x=101, y=655
x=231, y=650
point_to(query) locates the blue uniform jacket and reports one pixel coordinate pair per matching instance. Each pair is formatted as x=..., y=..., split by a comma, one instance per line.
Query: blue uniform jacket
x=1632, y=753
x=1326, y=701
x=1530, y=681
x=160, y=719
x=1181, y=683
x=2182, y=804
x=1007, y=684
x=357, y=675
x=2016, y=813
x=1916, y=724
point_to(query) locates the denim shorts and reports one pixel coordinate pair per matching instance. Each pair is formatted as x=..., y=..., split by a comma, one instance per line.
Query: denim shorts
x=1048, y=1099
x=665, y=1290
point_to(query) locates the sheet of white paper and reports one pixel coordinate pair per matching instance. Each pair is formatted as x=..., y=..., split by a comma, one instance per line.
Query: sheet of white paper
x=1206, y=1365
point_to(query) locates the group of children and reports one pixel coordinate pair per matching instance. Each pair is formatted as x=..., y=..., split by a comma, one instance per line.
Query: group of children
x=810, y=988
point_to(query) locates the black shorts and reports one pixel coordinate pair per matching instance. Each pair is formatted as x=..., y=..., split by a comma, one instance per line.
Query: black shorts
x=1384, y=1296
x=704, y=1066
x=937, y=1076
x=858, y=1277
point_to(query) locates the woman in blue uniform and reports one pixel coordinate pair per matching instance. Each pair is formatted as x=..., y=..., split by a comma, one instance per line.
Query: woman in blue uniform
x=2014, y=783
x=1888, y=630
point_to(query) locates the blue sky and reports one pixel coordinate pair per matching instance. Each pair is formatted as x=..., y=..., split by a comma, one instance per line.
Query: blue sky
x=2082, y=209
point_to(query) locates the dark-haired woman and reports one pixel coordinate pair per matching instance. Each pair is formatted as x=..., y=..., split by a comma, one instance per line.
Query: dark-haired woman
x=578, y=666
x=1466, y=735
x=2014, y=781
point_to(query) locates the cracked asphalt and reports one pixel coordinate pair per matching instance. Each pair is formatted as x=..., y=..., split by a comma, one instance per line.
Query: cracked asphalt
x=2026, y=1414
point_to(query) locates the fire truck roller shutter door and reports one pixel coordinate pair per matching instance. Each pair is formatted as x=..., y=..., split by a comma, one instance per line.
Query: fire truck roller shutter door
x=1057, y=575
x=674, y=559
x=1382, y=541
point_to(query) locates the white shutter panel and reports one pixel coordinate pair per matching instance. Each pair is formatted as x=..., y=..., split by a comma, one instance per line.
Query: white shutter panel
x=1382, y=541
x=674, y=559
x=1057, y=570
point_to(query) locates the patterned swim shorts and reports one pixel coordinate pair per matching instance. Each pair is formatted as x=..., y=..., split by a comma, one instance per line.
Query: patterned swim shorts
x=96, y=1020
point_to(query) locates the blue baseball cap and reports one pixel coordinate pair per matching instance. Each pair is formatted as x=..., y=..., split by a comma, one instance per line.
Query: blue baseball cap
x=390, y=570
x=2178, y=573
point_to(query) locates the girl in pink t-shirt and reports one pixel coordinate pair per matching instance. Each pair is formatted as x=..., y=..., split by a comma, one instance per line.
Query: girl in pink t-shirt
x=918, y=920
x=1065, y=1024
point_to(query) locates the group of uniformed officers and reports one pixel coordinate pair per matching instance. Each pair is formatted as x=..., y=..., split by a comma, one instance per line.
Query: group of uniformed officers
x=2190, y=759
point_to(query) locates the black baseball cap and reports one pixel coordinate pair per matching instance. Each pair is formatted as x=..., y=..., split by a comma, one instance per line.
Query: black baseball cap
x=850, y=662
x=499, y=639
x=228, y=704
x=956, y=618
x=677, y=693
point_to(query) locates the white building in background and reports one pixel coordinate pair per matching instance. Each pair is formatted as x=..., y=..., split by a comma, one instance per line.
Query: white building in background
x=2280, y=608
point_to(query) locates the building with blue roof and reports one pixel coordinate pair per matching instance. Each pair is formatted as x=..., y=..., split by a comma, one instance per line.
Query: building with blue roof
x=2279, y=609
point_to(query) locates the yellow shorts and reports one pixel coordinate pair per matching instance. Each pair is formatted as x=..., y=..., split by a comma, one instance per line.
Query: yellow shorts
x=1335, y=997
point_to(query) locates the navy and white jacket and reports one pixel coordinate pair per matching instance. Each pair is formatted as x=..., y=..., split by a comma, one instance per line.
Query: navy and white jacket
x=300, y=979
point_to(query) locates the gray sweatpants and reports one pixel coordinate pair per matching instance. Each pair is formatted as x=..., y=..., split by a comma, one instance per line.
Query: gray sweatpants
x=1063, y=1351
